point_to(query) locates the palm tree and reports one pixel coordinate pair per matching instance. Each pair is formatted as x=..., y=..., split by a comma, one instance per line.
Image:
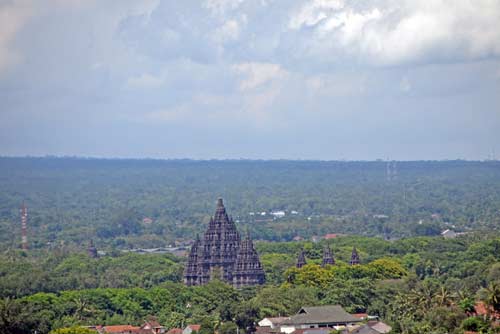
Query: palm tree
x=13, y=317
x=443, y=297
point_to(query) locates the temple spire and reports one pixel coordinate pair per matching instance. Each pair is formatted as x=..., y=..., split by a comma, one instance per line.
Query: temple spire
x=220, y=203
x=301, y=259
x=354, y=257
x=221, y=253
x=91, y=250
x=327, y=257
x=247, y=268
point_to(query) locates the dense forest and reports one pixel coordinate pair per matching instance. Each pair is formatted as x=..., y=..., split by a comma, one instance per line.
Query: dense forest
x=418, y=285
x=392, y=212
x=71, y=200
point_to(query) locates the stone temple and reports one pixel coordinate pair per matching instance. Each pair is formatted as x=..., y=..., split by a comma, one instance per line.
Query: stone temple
x=221, y=254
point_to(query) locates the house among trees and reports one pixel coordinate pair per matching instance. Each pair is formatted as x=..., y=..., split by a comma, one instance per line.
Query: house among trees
x=328, y=316
x=191, y=329
x=449, y=234
x=372, y=327
x=153, y=326
x=272, y=322
x=175, y=331
x=150, y=326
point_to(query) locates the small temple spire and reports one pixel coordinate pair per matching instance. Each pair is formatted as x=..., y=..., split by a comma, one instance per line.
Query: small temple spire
x=301, y=259
x=247, y=268
x=220, y=210
x=354, y=257
x=91, y=250
x=328, y=258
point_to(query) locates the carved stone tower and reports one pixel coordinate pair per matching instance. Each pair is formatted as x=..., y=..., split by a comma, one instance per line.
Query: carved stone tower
x=91, y=250
x=301, y=259
x=328, y=258
x=191, y=270
x=248, y=269
x=354, y=257
x=215, y=256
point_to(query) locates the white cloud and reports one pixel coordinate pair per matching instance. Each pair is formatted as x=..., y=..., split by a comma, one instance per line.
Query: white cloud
x=229, y=31
x=317, y=66
x=221, y=7
x=13, y=16
x=394, y=32
x=339, y=85
x=256, y=75
x=145, y=80
x=313, y=12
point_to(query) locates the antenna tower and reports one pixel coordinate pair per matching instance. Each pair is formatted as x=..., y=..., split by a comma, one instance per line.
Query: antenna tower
x=391, y=170
x=24, y=222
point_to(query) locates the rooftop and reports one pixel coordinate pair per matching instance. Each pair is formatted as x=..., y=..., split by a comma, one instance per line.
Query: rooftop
x=328, y=314
x=175, y=331
x=278, y=320
x=120, y=328
x=195, y=327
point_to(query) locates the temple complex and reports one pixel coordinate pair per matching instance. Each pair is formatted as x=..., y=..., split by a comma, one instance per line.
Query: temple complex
x=221, y=254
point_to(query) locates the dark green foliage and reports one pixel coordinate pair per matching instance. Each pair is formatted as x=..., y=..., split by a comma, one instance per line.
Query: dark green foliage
x=420, y=284
x=425, y=287
x=475, y=324
x=228, y=327
x=51, y=271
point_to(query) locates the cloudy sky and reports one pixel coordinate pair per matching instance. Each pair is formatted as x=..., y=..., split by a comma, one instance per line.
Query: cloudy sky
x=317, y=79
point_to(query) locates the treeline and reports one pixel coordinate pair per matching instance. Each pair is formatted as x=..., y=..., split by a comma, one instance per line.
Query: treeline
x=53, y=271
x=418, y=285
x=71, y=200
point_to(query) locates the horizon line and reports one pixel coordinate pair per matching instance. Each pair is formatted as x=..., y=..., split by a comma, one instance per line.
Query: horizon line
x=82, y=157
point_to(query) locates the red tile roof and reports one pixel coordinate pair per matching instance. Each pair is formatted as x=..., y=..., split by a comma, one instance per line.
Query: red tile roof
x=361, y=315
x=195, y=327
x=482, y=309
x=120, y=329
x=322, y=330
x=266, y=330
x=331, y=236
x=175, y=331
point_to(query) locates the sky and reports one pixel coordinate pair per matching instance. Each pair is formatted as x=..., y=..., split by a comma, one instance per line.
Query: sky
x=254, y=79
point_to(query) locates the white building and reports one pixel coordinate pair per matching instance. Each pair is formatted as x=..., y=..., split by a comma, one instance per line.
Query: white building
x=272, y=322
x=278, y=214
x=448, y=234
